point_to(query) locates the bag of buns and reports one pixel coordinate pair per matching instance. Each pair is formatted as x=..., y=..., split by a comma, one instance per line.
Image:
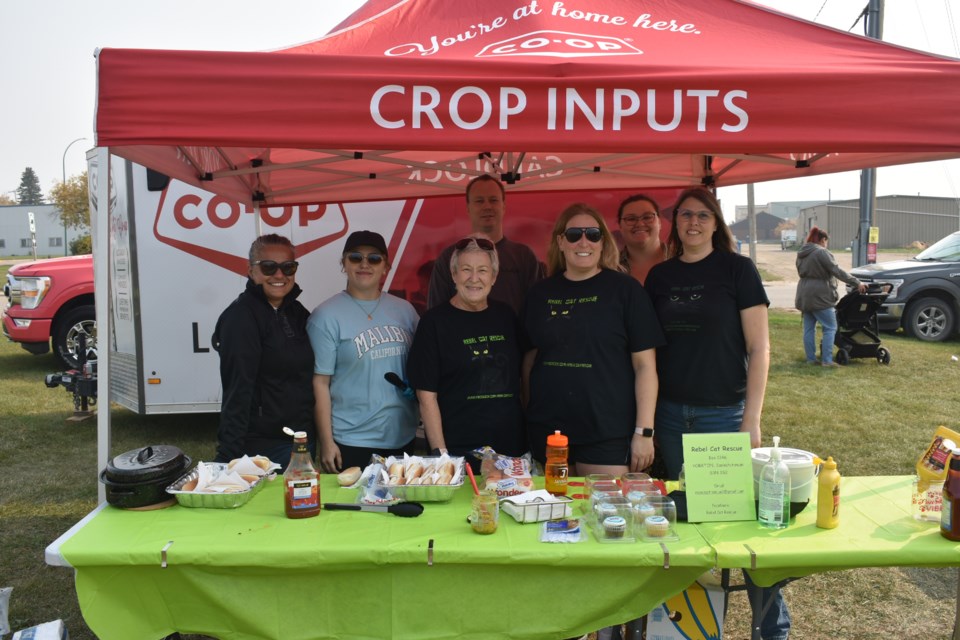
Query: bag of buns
x=506, y=475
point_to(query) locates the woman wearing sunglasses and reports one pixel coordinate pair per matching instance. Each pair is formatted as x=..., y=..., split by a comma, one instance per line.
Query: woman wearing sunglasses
x=591, y=372
x=465, y=361
x=359, y=335
x=266, y=363
x=713, y=369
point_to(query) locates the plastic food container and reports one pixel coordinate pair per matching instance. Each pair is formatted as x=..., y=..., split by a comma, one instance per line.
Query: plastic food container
x=803, y=472
x=207, y=500
x=555, y=508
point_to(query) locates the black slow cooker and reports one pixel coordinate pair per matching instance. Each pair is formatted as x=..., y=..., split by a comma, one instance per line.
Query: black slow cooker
x=139, y=478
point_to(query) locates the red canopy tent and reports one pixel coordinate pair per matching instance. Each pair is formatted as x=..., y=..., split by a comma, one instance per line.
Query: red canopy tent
x=406, y=98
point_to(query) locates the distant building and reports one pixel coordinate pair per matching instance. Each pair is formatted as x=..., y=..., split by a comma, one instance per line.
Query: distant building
x=902, y=220
x=15, y=231
x=766, y=228
x=787, y=210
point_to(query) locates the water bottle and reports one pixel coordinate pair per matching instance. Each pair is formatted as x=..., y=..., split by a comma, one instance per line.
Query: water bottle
x=557, y=469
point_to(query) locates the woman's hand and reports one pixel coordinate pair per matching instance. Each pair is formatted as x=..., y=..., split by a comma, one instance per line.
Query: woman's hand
x=330, y=460
x=641, y=452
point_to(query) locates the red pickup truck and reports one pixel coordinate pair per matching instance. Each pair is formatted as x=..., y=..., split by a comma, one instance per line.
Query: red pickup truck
x=52, y=300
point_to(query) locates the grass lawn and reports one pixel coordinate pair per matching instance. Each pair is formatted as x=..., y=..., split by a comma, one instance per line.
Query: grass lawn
x=873, y=419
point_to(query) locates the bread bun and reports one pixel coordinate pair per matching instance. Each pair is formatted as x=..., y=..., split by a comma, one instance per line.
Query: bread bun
x=448, y=468
x=396, y=469
x=190, y=485
x=348, y=477
x=415, y=470
x=249, y=477
x=445, y=478
x=395, y=480
x=263, y=462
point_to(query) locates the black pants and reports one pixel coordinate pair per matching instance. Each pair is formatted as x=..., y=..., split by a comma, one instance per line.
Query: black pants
x=360, y=456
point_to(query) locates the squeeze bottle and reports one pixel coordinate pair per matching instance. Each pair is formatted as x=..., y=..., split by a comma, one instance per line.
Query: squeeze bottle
x=557, y=469
x=301, y=481
x=828, y=494
x=932, y=465
x=774, y=511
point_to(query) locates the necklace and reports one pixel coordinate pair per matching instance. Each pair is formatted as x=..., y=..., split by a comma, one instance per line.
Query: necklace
x=369, y=313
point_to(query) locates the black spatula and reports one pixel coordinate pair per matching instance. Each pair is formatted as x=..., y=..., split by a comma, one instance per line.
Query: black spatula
x=403, y=509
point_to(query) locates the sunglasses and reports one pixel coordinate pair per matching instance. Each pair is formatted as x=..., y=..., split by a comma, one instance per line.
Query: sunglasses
x=269, y=267
x=701, y=216
x=482, y=243
x=355, y=257
x=573, y=234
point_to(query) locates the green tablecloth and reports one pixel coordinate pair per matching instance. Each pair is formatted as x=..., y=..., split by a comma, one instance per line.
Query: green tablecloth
x=876, y=529
x=252, y=573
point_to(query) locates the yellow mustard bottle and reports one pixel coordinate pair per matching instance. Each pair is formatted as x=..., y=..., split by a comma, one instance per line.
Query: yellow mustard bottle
x=828, y=494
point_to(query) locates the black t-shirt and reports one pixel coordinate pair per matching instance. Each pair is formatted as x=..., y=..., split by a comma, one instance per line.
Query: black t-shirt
x=471, y=359
x=699, y=304
x=583, y=381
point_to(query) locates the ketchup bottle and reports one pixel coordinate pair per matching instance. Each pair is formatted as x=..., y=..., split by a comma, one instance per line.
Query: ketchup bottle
x=950, y=513
x=557, y=469
x=301, y=481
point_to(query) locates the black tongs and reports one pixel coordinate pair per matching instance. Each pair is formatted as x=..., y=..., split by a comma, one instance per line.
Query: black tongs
x=403, y=509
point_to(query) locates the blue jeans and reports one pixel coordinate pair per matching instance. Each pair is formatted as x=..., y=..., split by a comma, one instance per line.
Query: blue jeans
x=828, y=320
x=672, y=421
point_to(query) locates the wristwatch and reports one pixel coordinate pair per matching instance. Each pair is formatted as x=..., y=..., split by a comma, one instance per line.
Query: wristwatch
x=646, y=432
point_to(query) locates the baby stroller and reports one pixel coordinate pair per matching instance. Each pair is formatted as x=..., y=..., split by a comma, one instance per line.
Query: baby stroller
x=857, y=328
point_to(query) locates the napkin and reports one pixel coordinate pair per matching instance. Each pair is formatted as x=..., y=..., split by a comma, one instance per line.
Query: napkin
x=537, y=506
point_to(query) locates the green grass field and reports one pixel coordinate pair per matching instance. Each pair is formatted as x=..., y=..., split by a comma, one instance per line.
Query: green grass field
x=875, y=420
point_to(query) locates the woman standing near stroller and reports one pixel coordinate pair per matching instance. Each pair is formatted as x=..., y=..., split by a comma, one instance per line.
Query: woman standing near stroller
x=817, y=295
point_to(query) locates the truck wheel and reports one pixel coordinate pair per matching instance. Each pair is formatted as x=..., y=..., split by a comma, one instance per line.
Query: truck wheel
x=76, y=322
x=930, y=320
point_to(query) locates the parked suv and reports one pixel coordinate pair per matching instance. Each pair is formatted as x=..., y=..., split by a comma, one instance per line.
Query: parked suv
x=925, y=299
x=52, y=301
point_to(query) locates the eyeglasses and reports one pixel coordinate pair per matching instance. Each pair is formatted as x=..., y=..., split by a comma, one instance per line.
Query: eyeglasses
x=269, y=267
x=701, y=216
x=373, y=259
x=573, y=234
x=482, y=243
x=646, y=218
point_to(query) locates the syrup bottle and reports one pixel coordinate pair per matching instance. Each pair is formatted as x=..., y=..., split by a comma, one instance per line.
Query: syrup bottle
x=557, y=469
x=301, y=481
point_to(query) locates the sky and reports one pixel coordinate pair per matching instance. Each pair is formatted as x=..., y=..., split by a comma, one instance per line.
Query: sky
x=49, y=73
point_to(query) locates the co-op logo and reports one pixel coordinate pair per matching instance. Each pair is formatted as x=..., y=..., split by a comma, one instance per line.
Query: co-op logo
x=559, y=44
x=218, y=230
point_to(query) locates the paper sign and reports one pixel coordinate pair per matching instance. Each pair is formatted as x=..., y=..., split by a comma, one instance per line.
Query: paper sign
x=719, y=477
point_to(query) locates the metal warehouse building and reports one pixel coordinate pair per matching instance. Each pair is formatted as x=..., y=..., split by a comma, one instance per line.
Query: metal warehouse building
x=902, y=220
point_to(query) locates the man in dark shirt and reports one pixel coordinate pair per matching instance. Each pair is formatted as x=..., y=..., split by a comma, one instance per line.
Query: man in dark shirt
x=519, y=267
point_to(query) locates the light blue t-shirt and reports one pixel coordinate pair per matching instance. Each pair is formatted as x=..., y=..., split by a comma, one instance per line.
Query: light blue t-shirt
x=356, y=352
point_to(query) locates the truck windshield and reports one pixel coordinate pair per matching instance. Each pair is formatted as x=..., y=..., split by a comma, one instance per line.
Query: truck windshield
x=944, y=250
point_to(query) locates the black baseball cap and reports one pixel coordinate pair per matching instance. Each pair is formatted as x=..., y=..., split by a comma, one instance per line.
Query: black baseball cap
x=365, y=239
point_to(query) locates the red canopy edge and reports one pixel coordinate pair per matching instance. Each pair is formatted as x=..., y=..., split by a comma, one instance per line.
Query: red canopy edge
x=704, y=91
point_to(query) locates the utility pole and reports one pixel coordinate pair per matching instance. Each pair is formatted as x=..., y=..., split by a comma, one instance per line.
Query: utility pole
x=868, y=177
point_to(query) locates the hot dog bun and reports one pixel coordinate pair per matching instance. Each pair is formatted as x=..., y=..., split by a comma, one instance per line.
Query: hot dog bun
x=348, y=477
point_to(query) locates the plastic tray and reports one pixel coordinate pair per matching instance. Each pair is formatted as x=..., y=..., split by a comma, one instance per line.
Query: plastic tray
x=557, y=508
x=206, y=500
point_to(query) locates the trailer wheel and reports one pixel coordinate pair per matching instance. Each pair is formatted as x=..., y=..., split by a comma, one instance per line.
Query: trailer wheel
x=930, y=319
x=842, y=357
x=883, y=356
x=66, y=333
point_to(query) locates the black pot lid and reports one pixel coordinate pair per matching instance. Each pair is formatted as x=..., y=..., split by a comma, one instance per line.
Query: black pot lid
x=153, y=461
